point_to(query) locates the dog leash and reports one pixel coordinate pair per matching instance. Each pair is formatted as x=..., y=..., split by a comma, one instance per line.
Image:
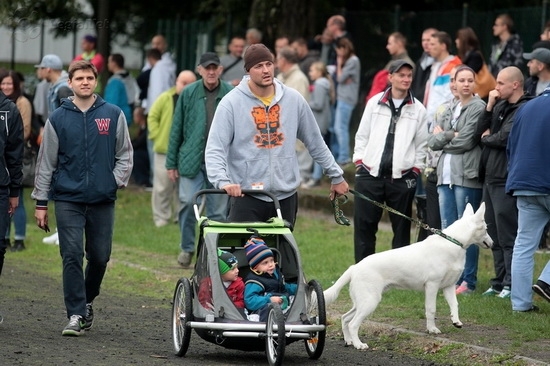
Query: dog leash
x=341, y=219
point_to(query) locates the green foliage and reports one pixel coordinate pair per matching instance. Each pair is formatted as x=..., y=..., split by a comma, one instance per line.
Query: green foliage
x=24, y=13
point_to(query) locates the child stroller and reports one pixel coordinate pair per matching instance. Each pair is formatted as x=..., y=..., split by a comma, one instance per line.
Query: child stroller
x=221, y=322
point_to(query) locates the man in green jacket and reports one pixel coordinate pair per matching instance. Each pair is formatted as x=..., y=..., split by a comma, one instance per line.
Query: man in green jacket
x=185, y=157
x=159, y=123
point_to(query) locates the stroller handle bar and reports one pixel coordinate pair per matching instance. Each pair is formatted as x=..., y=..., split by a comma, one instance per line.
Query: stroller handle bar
x=250, y=192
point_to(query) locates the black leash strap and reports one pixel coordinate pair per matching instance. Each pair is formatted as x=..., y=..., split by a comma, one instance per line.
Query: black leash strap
x=343, y=220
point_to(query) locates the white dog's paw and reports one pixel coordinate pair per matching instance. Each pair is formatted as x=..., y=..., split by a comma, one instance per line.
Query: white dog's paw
x=458, y=324
x=361, y=346
x=434, y=330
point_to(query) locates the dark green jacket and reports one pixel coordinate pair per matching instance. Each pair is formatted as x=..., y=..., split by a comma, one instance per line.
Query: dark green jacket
x=188, y=132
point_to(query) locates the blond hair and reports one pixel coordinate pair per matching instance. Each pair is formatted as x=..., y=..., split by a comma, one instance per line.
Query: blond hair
x=322, y=68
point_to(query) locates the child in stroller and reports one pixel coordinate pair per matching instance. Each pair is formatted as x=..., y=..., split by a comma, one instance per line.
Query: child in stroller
x=265, y=283
x=234, y=285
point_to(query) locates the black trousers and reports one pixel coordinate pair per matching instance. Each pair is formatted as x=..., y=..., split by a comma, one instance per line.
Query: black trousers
x=397, y=194
x=501, y=217
x=251, y=209
x=433, y=217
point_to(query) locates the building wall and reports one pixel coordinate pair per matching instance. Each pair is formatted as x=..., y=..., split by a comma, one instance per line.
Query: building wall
x=31, y=43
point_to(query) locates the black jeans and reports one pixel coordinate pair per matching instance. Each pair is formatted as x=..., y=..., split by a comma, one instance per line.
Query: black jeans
x=251, y=209
x=501, y=217
x=433, y=217
x=4, y=222
x=397, y=194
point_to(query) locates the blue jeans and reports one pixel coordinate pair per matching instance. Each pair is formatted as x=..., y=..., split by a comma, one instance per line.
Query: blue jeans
x=19, y=219
x=216, y=207
x=340, y=142
x=83, y=230
x=533, y=214
x=452, y=202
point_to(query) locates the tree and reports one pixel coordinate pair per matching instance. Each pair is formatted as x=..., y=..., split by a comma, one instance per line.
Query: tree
x=24, y=16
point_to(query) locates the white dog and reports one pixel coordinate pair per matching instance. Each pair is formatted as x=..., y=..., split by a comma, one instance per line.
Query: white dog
x=432, y=264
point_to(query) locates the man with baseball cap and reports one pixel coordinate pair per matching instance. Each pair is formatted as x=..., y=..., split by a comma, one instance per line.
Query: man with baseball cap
x=390, y=152
x=52, y=70
x=539, y=71
x=252, y=143
x=193, y=116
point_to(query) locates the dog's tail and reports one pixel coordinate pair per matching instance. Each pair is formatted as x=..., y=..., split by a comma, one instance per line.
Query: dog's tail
x=331, y=294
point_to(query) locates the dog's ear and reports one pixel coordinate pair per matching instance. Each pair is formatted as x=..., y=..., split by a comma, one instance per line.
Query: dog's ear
x=468, y=211
x=481, y=210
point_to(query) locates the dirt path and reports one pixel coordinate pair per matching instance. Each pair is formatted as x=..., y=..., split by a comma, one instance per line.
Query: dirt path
x=127, y=331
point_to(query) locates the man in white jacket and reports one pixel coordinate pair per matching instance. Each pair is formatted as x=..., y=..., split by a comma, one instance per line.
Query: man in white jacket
x=390, y=151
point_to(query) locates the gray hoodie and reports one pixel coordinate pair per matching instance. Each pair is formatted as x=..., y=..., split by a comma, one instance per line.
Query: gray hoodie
x=254, y=146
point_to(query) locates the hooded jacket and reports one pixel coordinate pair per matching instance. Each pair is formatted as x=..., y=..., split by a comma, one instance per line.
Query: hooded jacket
x=464, y=149
x=527, y=148
x=254, y=145
x=84, y=156
x=411, y=133
x=58, y=90
x=11, y=145
x=320, y=103
x=493, y=168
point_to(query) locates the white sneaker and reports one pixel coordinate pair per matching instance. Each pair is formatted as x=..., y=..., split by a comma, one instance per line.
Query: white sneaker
x=52, y=239
x=505, y=293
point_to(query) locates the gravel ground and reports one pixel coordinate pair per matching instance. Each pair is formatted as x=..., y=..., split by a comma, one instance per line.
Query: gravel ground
x=128, y=331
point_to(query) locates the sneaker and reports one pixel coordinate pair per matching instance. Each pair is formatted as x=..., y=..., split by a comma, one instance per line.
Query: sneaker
x=75, y=326
x=52, y=239
x=541, y=288
x=532, y=309
x=18, y=245
x=505, y=293
x=310, y=184
x=89, y=318
x=491, y=292
x=184, y=259
x=463, y=289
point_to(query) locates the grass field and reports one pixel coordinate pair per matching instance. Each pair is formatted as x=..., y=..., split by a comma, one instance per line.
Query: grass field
x=144, y=262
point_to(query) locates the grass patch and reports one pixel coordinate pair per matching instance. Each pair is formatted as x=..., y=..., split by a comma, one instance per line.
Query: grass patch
x=144, y=263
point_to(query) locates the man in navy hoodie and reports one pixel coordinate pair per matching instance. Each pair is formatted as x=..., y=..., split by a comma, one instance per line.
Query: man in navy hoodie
x=529, y=181
x=85, y=157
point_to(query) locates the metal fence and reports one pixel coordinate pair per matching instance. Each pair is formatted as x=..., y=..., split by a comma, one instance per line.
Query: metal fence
x=188, y=40
x=370, y=30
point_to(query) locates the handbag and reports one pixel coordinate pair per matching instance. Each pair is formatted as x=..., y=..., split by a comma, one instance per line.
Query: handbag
x=485, y=81
x=29, y=165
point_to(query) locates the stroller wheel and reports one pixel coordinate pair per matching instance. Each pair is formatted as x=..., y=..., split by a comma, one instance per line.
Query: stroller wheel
x=275, y=341
x=182, y=313
x=316, y=314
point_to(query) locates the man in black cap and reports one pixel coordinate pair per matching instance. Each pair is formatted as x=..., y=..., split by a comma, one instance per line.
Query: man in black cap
x=193, y=116
x=539, y=71
x=389, y=154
